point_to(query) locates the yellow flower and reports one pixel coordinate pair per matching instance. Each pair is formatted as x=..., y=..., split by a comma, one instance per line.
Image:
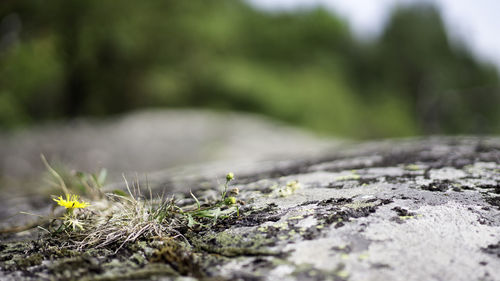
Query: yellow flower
x=71, y=202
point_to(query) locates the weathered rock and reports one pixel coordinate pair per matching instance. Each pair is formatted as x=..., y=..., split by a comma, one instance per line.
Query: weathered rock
x=420, y=209
x=148, y=141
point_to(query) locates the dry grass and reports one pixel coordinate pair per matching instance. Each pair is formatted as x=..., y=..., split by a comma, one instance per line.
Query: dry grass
x=113, y=220
x=116, y=220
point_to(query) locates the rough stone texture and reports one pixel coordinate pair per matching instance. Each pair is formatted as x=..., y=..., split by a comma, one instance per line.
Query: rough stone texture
x=419, y=209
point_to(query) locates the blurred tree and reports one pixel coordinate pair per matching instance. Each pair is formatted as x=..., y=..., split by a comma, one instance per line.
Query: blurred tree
x=68, y=58
x=446, y=87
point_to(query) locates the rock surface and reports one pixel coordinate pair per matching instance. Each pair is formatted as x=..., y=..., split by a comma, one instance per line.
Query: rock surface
x=148, y=141
x=419, y=209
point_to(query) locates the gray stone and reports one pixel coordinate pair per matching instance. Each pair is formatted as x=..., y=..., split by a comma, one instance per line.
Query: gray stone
x=415, y=209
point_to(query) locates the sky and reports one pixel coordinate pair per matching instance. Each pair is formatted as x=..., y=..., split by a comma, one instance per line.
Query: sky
x=475, y=23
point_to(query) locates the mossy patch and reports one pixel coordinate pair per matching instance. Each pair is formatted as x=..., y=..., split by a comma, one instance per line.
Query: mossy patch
x=231, y=245
x=28, y=260
x=179, y=256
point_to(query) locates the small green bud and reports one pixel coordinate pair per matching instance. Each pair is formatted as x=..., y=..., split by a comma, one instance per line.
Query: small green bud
x=230, y=200
x=229, y=176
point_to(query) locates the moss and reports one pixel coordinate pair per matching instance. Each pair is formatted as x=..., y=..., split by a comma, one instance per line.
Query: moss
x=231, y=245
x=32, y=260
x=138, y=258
x=75, y=267
x=179, y=256
x=147, y=272
x=91, y=264
x=13, y=256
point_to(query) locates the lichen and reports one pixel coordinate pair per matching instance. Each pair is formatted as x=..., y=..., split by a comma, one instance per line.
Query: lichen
x=359, y=204
x=283, y=191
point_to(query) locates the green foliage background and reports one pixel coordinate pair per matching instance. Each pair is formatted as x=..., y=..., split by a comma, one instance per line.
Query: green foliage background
x=62, y=59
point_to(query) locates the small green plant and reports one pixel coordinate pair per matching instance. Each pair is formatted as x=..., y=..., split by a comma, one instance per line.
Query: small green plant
x=114, y=219
x=223, y=208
